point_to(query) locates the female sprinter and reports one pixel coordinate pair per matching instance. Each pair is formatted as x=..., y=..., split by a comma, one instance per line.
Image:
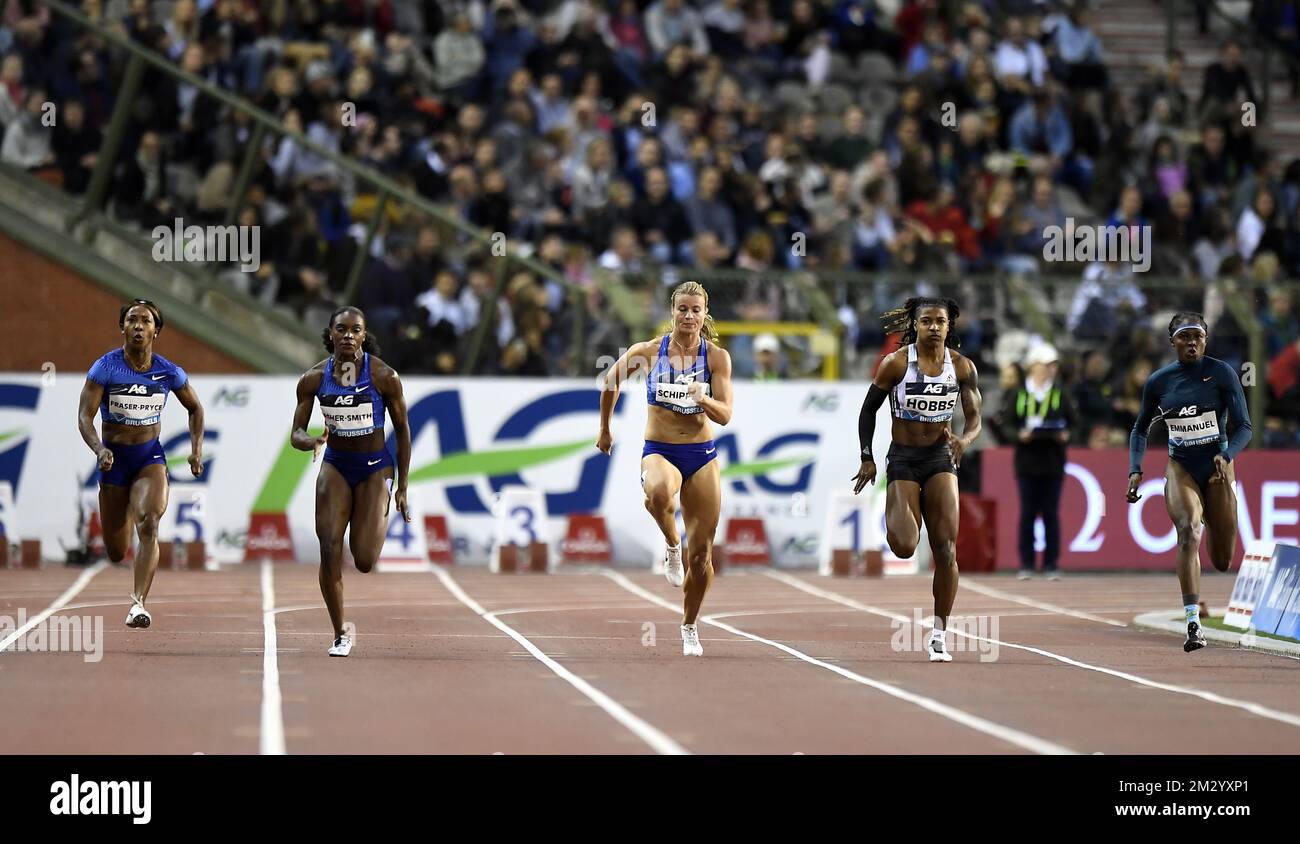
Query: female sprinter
x=129, y=386
x=355, y=390
x=923, y=380
x=1193, y=396
x=688, y=383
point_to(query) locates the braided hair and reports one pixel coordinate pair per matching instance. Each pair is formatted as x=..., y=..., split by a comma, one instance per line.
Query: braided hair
x=369, y=345
x=904, y=319
x=1187, y=318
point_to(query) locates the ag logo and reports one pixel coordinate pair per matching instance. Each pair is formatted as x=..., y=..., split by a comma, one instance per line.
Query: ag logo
x=827, y=403
x=934, y=388
x=138, y=390
x=1190, y=410
x=232, y=398
x=344, y=401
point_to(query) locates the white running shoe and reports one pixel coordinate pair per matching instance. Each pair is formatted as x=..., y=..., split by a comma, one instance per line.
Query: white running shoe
x=138, y=616
x=1024, y=574
x=342, y=646
x=691, y=641
x=673, y=569
x=938, y=650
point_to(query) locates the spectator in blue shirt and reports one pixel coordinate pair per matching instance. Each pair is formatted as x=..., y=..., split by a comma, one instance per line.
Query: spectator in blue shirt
x=1078, y=50
x=507, y=41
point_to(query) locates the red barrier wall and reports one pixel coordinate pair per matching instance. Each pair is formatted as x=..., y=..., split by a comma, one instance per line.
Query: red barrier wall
x=61, y=318
x=1101, y=530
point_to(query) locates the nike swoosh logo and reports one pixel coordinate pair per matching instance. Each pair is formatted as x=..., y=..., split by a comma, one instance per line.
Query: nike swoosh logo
x=1207, y=379
x=374, y=462
x=710, y=451
x=360, y=389
x=158, y=377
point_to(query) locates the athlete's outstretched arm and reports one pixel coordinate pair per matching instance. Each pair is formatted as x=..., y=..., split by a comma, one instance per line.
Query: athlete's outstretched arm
x=308, y=384
x=189, y=399
x=632, y=360
x=91, y=396
x=1137, y=439
x=390, y=387
x=891, y=371
x=718, y=406
x=972, y=402
x=1234, y=398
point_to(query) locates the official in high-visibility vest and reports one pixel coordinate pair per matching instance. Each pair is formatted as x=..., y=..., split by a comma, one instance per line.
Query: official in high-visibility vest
x=1038, y=417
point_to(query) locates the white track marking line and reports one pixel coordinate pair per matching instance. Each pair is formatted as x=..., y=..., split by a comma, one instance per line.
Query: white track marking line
x=739, y=613
x=657, y=740
x=1210, y=697
x=561, y=609
x=272, y=730
x=59, y=603
x=1038, y=605
x=1011, y=736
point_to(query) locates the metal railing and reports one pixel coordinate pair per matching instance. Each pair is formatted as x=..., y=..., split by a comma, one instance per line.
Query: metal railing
x=367, y=181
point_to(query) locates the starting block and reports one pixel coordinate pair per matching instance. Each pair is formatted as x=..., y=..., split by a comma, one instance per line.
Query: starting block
x=405, y=546
x=268, y=538
x=520, y=524
x=745, y=545
x=31, y=553
x=587, y=540
x=851, y=541
x=437, y=536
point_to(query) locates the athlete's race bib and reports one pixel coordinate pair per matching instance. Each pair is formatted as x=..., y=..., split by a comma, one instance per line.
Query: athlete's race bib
x=1193, y=430
x=136, y=404
x=678, y=395
x=348, y=416
x=931, y=401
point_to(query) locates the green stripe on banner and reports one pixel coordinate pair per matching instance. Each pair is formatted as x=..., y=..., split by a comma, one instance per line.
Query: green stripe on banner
x=503, y=461
x=9, y=435
x=762, y=467
x=285, y=476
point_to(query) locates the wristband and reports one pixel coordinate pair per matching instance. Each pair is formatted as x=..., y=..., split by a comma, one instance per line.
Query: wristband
x=866, y=455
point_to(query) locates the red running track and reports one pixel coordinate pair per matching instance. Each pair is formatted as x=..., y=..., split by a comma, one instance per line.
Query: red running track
x=591, y=663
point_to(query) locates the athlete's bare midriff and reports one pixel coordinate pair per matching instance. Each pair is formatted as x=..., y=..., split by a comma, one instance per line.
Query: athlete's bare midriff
x=665, y=426
x=130, y=434
x=916, y=434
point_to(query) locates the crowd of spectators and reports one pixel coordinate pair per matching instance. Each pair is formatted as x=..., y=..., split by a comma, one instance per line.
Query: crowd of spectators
x=897, y=136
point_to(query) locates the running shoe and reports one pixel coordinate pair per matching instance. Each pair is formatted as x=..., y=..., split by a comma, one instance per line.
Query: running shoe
x=342, y=646
x=138, y=616
x=1195, y=638
x=1053, y=574
x=1024, y=574
x=673, y=569
x=938, y=650
x=691, y=641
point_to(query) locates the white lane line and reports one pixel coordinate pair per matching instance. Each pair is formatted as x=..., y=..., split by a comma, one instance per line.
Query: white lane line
x=1210, y=697
x=522, y=610
x=272, y=731
x=657, y=740
x=59, y=603
x=974, y=586
x=999, y=731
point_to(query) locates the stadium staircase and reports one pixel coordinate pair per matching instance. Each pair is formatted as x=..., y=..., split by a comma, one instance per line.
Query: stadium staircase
x=1133, y=37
